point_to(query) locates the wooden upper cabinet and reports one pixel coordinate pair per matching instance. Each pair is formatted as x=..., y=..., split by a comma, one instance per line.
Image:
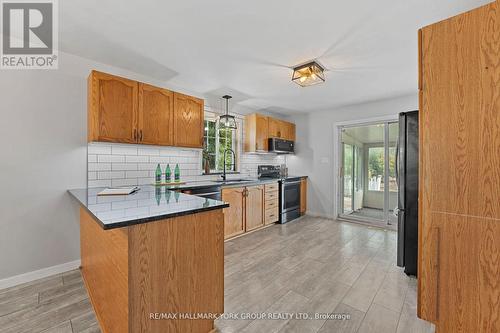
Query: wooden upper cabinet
x=254, y=207
x=234, y=215
x=275, y=128
x=126, y=111
x=259, y=128
x=188, y=121
x=290, y=131
x=281, y=129
x=256, y=133
x=112, y=108
x=156, y=107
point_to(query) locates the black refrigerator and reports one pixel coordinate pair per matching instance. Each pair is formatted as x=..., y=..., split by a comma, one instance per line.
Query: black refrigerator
x=407, y=177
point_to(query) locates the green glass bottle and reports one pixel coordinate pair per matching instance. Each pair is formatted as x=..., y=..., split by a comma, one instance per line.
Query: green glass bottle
x=158, y=174
x=177, y=173
x=167, y=174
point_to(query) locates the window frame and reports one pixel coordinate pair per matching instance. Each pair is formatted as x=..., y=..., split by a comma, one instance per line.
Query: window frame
x=212, y=117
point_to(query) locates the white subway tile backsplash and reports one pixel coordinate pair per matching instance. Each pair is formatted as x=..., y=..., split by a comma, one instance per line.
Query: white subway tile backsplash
x=136, y=159
x=124, y=182
x=130, y=165
x=124, y=166
x=96, y=148
x=149, y=151
x=124, y=150
x=159, y=159
x=136, y=174
x=111, y=174
x=110, y=158
x=99, y=183
x=99, y=166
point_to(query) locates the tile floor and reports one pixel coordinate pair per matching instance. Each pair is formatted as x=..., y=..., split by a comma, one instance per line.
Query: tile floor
x=308, y=266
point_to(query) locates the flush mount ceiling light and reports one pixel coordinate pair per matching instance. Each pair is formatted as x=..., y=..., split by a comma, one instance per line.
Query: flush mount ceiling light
x=226, y=120
x=308, y=74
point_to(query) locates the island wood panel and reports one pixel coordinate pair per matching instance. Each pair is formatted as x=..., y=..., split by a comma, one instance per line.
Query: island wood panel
x=113, y=103
x=234, y=215
x=156, y=107
x=188, y=121
x=254, y=212
x=459, y=161
x=104, y=255
x=178, y=268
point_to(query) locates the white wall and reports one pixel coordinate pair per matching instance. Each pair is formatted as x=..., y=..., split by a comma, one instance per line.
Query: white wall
x=315, y=147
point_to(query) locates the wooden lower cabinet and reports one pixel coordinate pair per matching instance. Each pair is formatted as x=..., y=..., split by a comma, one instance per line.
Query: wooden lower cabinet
x=303, y=196
x=254, y=212
x=246, y=210
x=234, y=216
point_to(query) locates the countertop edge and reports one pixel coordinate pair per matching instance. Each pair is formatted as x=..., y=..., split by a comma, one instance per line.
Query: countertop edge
x=123, y=224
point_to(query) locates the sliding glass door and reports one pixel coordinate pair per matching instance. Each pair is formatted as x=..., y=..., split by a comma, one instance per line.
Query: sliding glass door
x=368, y=188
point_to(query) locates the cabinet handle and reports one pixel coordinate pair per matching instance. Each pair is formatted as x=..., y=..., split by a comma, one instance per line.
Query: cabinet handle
x=256, y=146
x=135, y=135
x=140, y=135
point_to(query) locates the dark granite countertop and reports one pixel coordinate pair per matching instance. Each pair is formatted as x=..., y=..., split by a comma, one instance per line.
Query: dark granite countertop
x=149, y=204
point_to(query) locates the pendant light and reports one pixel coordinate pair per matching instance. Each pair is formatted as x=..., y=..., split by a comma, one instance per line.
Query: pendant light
x=226, y=120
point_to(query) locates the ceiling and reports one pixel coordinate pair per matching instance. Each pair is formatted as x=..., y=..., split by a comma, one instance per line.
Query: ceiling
x=246, y=48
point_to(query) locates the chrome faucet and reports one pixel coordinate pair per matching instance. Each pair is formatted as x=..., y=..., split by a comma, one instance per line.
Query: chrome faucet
x=234, y=160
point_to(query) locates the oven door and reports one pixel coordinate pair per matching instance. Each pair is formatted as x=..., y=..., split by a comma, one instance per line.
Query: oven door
x=290, y=196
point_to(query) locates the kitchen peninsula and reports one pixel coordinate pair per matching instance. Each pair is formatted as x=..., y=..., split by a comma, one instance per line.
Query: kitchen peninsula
x=150, y=257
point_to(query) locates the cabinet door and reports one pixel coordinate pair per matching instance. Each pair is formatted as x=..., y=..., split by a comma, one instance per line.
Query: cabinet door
x=303, y=196
x=155, y=115
x=254, y=211
x=112, y=107
x=262, y=133
x=275, y=128
x=290, y=131
x=256, y=133
x=234, y=216
x=188, y=121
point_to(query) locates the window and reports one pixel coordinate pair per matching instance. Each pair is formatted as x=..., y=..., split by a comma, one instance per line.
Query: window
x=216, y=141
x=376, y=169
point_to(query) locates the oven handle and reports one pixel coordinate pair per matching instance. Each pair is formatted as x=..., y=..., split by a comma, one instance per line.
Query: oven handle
x=292, y=183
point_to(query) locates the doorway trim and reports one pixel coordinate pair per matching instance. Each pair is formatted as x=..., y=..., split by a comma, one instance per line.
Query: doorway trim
x=337, y=151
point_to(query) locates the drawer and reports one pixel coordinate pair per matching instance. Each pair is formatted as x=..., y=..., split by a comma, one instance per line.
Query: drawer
x=273, y=203
x=271, y=215
x=272, y=187
x=271, y=196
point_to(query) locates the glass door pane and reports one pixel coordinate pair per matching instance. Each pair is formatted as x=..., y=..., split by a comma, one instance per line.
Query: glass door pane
x=392, y=188
x=348, y=179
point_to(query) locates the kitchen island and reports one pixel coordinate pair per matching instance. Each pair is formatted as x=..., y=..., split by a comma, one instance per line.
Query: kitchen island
x=152, y=261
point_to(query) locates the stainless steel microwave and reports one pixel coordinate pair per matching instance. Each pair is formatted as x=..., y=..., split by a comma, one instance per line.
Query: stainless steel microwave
x=281, y=146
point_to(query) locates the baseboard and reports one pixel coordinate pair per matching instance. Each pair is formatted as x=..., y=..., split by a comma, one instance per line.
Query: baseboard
x=38, y=274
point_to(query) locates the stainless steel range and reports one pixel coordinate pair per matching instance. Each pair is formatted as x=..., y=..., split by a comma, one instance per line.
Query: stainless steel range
x=289, y=191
